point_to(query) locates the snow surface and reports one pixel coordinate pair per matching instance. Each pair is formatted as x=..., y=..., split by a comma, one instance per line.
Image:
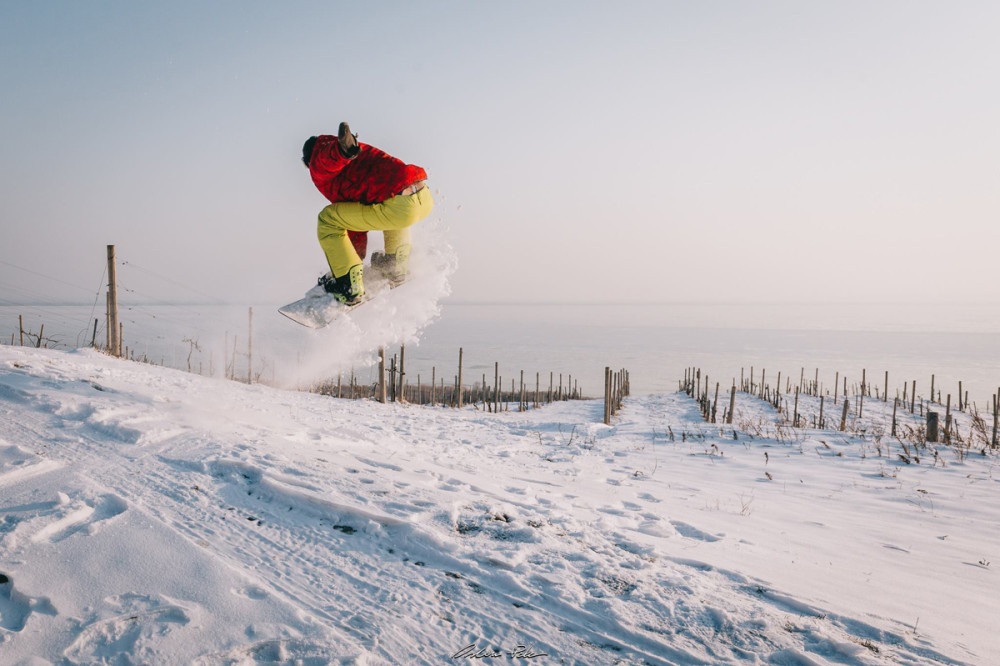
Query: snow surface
x=153, y=516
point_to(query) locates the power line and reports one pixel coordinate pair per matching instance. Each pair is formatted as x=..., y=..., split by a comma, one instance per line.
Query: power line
x=48, y=277
x=173, y=282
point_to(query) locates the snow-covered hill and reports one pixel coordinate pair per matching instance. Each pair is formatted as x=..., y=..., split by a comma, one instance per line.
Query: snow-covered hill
x=152, y=516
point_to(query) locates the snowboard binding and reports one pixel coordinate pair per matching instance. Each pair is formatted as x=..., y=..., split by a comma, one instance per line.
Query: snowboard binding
x=393, y=267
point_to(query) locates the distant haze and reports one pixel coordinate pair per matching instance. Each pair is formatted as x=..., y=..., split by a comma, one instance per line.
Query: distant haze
x=579, y=151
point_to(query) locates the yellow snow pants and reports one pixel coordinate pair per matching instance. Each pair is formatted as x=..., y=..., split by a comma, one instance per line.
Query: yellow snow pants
x=393, y=217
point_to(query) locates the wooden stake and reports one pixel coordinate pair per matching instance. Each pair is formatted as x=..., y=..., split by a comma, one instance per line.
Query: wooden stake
x=715, y=403
x=381, y=375
x=932, y=426
x=861, y=399
x=795, y=416
x=995, y=419
x=521, y=406
x=947, y=419
x=607, y=395
x=402, y=371
x=895, y=402
x=460, y=352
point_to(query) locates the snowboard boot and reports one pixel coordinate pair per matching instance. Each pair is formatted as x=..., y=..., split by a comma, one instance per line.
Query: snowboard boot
x=393, y=267
x=348, y=289
x=348, y=142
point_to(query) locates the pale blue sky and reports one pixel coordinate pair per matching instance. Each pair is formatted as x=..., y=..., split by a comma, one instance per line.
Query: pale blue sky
x=661, y=151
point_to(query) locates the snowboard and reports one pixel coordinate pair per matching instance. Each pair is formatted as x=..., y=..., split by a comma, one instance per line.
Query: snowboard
x=318, y=308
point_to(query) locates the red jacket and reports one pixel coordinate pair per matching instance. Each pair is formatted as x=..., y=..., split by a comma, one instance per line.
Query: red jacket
x=372, y=176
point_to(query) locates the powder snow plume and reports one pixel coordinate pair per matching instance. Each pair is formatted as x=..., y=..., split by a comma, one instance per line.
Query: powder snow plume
x=395, y=317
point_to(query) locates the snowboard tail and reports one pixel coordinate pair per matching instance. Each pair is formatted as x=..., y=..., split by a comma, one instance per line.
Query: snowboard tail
x=318, y=308
x=318, y=311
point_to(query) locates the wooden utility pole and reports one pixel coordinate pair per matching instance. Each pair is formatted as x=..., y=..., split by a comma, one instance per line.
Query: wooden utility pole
x=113, y=346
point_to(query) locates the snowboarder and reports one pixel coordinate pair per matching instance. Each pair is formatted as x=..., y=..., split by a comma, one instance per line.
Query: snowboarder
x=368, y=190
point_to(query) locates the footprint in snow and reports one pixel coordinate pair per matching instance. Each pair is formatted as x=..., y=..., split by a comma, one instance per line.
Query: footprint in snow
x=85, y=516
x=125, y=626
x=656, y=528
x=251, y=592
x=379, y=464
x=691, y=532
x=16, y=608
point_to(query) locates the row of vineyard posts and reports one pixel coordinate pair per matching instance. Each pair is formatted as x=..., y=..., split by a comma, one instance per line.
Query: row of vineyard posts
x=616, y=388
x=708, y=401
x=393, y=385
